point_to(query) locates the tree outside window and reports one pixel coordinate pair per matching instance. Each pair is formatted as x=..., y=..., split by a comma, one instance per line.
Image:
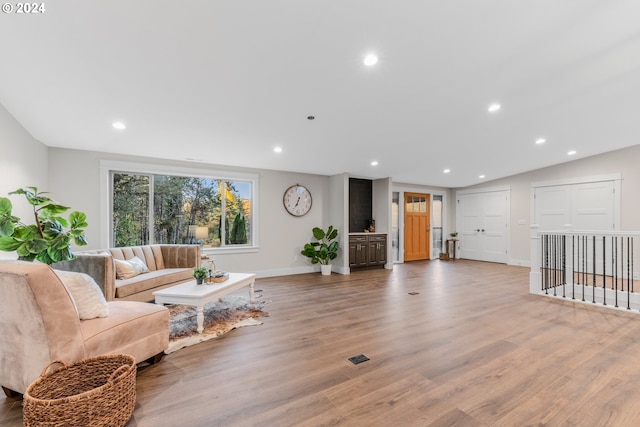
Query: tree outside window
x=169, y=209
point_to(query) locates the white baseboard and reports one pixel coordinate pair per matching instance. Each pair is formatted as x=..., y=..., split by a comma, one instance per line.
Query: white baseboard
x=520, y=262
x=298, y=270
x=285, y=271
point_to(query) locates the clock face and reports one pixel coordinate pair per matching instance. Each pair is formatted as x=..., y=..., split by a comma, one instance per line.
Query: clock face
x=297, y=200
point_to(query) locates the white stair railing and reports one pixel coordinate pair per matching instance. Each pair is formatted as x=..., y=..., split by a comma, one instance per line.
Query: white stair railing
x=587, y=266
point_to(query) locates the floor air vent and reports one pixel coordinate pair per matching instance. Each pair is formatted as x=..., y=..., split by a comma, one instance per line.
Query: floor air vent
x=358, y=359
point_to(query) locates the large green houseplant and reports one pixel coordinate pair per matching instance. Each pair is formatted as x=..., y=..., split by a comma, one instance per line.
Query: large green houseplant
x=46, y=240
x=324, y=249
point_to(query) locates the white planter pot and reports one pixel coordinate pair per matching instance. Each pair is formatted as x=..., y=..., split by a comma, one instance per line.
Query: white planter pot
x=325, y=269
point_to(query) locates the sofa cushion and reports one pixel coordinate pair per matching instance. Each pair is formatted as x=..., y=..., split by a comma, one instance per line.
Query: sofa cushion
x=128, y=329
x=147, y=253
x=126, y=269
x=151, y=280
x=86, y=294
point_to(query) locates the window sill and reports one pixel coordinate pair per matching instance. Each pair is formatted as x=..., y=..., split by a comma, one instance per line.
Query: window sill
x=227, y=250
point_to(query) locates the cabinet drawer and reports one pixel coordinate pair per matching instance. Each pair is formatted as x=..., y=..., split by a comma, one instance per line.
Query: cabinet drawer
x=377, y=238
x=357, y=239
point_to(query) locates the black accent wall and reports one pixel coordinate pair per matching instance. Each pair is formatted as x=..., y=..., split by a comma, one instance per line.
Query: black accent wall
x=360, y=204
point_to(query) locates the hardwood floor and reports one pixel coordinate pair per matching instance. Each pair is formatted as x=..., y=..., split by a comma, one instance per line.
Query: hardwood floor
x=472, y=348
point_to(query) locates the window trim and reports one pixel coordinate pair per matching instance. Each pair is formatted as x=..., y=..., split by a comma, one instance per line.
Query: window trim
x=106, y=196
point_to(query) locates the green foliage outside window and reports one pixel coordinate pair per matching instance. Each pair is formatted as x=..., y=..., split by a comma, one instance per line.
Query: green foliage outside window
x=239, y=230
x=168, y=209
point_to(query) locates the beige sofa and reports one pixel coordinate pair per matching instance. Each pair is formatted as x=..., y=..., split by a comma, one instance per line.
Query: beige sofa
x=168, y=265
x=39, y=324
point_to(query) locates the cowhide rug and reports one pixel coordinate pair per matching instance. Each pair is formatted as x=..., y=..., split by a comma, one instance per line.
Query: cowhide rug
x=220, y=316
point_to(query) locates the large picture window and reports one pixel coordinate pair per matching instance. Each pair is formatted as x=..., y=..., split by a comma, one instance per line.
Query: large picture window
x=152, y=209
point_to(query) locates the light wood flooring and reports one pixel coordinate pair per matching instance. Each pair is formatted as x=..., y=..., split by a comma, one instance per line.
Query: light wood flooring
x=472, y=348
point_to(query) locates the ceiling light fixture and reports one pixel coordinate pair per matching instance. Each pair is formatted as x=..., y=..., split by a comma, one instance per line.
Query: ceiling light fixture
x=540, y=141
x=374, y=163
x=446, y=171
x=481, y=176
x=370, y=60
x=119, y=125
x=571, y=153
x=493, y=108
x=277, y=150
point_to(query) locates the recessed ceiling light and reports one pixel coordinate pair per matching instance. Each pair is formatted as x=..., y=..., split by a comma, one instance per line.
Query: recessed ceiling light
x=572, y=152
x=540, y=141
x=374, y=163
x=277, y=150
x=446, y=171
x=481, y=176
x=119, y=125
x=370, y=60
x=493, y=108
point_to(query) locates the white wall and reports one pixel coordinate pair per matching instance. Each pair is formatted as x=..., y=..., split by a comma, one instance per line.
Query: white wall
x=75, y=176
x=625, y=162
x=337, y=214
x=382, y=199
x=23, y=163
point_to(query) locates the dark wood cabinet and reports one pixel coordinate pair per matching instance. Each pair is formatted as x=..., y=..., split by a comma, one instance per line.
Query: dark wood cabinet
x=366, y=250
x=358, y=251
x=378, y=250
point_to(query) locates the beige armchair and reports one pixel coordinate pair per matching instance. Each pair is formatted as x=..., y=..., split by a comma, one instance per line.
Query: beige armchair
x=39, y=323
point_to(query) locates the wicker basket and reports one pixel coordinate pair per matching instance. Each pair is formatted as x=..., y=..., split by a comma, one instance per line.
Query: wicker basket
x=99, y=391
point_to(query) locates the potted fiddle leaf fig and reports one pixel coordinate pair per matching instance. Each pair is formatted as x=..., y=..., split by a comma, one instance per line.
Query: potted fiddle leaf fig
x=324, y=249
x=49, y=238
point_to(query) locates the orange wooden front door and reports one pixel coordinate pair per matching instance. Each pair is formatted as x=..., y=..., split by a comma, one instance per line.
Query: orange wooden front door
x=417, y=236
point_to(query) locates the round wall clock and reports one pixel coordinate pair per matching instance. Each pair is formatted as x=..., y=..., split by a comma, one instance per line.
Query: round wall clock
x=297, y=200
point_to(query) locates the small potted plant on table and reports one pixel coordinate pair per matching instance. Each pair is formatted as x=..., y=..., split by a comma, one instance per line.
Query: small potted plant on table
x=200, y=273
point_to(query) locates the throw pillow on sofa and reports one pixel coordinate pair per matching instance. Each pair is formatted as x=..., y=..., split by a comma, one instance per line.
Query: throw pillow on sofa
x=85, y=293
x=130, y=268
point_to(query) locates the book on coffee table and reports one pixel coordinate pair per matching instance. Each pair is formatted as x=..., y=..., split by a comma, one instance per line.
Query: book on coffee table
x=219, y=276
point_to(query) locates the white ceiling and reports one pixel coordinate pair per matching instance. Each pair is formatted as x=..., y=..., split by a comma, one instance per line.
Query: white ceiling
x=227, y=81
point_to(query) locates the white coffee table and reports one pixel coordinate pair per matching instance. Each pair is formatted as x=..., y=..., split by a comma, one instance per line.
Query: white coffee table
x=198, y=295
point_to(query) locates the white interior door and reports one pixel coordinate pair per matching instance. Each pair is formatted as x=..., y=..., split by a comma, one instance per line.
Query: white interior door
x=553, y=207
x=482, y=225
x=585, y=206
x=592, y=206
x=469, y=213
x=495, y=226
x=588, y=206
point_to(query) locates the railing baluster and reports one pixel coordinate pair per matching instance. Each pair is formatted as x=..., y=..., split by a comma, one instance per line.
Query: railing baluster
x=614, y=263
x=604, y=271
x=546, y=264
x=593, y=266
x=631, y=263
x=575, y=263
x=628, y=287
x=542, y=260
x=584, y=264
x=554, y=239
x=564, y=266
